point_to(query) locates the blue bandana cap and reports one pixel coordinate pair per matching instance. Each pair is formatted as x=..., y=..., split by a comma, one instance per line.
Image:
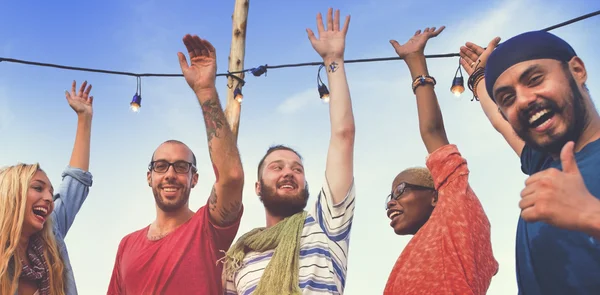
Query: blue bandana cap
x=525, y=47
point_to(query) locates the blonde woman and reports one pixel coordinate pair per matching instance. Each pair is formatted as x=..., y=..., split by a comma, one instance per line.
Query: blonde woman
x=34, y=219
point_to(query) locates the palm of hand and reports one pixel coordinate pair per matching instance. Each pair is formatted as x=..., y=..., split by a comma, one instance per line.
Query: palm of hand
x=330, y=43
x=416, y=44
x=80, y=102
x=201, y=73
x=80, y=105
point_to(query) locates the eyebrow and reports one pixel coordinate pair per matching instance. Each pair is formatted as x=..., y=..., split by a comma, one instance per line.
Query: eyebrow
x=281, y=162
x=522, y=79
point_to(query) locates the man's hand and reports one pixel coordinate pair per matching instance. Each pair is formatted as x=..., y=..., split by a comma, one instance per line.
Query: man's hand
x=416, y=44
x=560, y=198
x=201, y=74
x=472, y=56
x=331, y=42
x=80, y=102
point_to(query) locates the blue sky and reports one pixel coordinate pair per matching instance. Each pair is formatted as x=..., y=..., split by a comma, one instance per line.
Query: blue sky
x=37, y=125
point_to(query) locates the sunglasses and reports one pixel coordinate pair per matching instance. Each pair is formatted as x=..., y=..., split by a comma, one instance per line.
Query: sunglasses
x=397, y=193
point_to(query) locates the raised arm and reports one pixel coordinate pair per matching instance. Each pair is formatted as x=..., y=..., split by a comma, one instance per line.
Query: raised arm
x=226, y=197
x=76, y=183
x=474, y=57
x=340, y=156
x=81, y=103
x=431, y=123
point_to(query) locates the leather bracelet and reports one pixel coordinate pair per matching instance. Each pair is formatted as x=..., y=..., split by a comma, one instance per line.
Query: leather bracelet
x=422, y=80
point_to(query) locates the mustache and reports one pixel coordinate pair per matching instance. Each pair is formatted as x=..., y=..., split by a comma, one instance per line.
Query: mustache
x=535, y=107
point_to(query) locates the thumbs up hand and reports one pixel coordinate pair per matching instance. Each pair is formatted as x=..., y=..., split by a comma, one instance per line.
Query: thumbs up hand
x=560, y=198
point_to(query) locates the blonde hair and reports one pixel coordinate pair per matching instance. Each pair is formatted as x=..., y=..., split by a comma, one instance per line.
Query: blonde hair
x=420, y=176
x=14, y=184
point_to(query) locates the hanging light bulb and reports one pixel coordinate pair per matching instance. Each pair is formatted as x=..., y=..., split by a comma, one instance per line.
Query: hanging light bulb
x=237, y=94
x=324, y=93
x=458, y=84
x=136, y=103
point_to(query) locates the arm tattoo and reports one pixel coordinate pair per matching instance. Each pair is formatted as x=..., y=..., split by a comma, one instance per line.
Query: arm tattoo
x=333, y=67
x=229, y=211
x=213, y=118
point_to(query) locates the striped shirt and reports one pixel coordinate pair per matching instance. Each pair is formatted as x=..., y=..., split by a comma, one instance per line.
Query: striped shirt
x=323, y=250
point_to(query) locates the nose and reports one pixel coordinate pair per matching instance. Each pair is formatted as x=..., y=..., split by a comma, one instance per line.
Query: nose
x=525, y=97
x=170, y=173
x=48, y=197
x=391, y=203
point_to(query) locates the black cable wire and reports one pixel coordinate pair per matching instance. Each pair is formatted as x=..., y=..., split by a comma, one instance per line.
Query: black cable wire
x=240, y=80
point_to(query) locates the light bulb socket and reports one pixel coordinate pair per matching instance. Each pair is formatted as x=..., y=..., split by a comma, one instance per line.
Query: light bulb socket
x=258, y=71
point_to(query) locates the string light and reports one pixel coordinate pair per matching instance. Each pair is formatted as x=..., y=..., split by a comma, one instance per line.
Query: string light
x=136, y=102
x=323, y=91
x=458, y=84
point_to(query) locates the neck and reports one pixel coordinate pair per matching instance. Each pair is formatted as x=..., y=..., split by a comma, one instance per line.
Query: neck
x=167, y=221
x=24, y=241
x=272, y=219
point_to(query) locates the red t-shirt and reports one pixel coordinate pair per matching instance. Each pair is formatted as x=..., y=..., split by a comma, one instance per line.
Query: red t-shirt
x=452, y=252
x=183, y=262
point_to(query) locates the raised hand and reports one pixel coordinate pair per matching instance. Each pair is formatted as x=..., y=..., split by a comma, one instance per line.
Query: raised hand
x=559, y=198
x=416, y=44
x=472, y=56
x=332, y=40
x=202, y=72
x=80, y=102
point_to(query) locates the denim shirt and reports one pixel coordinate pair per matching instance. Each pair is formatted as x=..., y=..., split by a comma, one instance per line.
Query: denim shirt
x=71, y=194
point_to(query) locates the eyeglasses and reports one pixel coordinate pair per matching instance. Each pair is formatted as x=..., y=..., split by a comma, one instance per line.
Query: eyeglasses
x=397, y=193
x=162, y=166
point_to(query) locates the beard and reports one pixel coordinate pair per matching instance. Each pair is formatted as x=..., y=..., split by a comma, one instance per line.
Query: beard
x=283, y=206
x=171, y=205
x=575, y=121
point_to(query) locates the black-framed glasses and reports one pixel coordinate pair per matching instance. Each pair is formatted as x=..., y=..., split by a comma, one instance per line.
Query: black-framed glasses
x=162, y=166
x=399, y=190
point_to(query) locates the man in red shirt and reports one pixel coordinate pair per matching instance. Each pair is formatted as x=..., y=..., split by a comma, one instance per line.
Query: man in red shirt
x=451, y=251
x=178, y=252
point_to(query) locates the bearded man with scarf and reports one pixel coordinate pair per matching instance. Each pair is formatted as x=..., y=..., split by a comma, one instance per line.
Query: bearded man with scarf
x=301, y=252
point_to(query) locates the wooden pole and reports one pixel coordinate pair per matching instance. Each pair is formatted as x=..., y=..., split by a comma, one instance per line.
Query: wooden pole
x=236, y=63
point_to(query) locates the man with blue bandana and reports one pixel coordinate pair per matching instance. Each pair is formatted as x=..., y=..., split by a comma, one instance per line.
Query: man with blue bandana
x=532, y=88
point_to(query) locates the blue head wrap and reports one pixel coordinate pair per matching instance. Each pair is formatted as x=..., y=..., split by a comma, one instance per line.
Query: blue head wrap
x=524, y=47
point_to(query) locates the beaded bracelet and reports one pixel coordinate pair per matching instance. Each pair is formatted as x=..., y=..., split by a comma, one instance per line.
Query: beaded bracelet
x=422, y=80
x=474, y=80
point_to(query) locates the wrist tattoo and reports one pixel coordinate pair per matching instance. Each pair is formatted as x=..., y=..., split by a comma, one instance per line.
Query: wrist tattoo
x=332, y=67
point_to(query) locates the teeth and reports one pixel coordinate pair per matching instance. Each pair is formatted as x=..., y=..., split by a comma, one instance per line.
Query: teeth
x=538, y=115
x=394, y=214
x=169, y=189
x=42, y=210
x=287, y=186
